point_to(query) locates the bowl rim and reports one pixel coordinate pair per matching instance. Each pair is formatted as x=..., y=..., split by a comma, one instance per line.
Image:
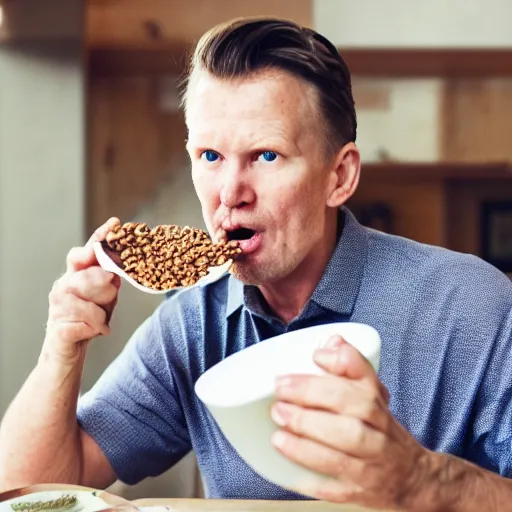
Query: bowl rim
x=267, y=391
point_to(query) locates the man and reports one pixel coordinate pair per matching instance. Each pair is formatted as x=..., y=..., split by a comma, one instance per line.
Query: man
x=272, y=131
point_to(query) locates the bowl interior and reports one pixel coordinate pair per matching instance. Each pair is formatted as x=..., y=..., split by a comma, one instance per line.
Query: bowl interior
x=250, y=374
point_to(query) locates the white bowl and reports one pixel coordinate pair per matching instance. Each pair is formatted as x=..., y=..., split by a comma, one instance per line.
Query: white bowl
x=239, y=392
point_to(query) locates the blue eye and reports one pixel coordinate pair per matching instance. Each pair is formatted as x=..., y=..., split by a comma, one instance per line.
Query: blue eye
x=268, y=156
x=210, y=155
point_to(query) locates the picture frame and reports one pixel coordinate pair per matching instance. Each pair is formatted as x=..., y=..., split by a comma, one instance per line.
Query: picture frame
x=375, y=215
x=496, y=234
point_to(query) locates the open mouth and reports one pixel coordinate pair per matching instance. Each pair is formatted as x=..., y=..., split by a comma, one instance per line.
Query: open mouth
x=240, y=234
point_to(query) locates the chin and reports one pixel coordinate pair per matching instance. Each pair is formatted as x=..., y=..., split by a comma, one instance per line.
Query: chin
x=250, y=273
x=256, y=274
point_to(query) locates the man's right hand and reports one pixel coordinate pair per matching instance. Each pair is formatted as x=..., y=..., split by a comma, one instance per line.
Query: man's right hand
x=81, y=302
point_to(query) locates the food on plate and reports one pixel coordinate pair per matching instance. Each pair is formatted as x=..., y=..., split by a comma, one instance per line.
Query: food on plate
x=62, y=502
x=167, y=256
x=55, y=499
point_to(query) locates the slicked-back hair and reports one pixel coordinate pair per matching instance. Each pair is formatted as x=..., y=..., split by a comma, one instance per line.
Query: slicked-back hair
x=245, y=46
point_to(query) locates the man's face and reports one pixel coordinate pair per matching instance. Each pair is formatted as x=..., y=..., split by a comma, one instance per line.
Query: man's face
x=259, y=169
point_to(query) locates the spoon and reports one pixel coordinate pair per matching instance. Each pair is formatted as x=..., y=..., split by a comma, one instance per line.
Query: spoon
x=110, y=262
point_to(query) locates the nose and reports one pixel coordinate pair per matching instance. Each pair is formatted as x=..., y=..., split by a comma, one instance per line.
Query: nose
x=236, y=191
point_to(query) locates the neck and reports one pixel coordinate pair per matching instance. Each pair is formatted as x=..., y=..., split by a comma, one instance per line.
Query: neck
x=288, y=296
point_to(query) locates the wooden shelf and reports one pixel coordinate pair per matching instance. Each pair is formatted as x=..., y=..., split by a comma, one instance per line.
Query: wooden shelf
x=159, y=58
x=416, y=171
x=426, y=62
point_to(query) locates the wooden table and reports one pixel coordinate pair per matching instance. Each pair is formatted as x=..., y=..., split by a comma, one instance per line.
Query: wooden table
x=203, y=505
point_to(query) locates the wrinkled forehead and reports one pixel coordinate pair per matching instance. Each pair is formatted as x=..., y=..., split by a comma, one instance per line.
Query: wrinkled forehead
x=269, y=100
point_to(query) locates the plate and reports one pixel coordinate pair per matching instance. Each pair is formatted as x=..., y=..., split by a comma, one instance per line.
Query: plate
x=89, y=499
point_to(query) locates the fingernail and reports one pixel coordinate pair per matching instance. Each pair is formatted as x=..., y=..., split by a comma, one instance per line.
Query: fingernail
x=334, y=341
x=278, y=439
x=325, y=356
x=280, y=413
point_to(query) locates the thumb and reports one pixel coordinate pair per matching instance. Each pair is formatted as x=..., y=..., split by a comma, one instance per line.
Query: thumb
x=343, y=360
x=334, y=341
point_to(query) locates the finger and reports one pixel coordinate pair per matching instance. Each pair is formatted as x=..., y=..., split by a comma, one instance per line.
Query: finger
x=335, y=394
x=331, y=490
x=70, y=309
x=344, y=360
x=92, y=284
x=342, y=433
x=334, y=341
x=313, y=455
x=347, y=361
x=100, y=234
x=116, y=281
x=80, y=258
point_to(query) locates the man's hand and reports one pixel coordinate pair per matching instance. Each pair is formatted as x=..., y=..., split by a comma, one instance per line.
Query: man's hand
x=340, y=425
x=81, y=302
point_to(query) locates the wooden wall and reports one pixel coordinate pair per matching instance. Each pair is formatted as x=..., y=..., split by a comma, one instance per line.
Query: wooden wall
x=133, y=144
x=418, y=207
x=477, y=120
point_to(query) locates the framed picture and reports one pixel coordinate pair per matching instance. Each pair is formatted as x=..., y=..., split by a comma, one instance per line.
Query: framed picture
x=496, y=234
x=375, y=215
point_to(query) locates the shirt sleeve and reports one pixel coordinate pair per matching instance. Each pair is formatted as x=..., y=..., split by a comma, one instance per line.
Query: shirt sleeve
x=492, y=422
x=134, y=412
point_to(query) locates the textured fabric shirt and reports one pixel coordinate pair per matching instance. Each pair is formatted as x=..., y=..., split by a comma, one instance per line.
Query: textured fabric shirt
x=445, y=323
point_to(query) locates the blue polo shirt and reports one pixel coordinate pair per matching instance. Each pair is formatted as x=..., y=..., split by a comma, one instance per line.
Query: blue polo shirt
x=445, y=323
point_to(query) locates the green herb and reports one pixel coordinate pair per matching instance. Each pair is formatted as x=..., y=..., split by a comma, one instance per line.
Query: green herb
x=65, y=501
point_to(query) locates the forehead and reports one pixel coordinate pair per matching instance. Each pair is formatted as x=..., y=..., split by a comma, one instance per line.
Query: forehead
x=271, y=102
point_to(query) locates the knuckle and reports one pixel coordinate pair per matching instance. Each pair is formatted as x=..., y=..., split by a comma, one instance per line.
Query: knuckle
x=73, y=255
x=307, y=389
x=359, y=434
x=297, y=421
x=371, y=409
x=339, y=464
x=55, y=294
x=338, y=399
x=334, y=393
x=83, y=280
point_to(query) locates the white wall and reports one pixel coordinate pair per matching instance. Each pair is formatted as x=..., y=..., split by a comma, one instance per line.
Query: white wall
x=408, y=127
x=41, y=191
x=430, y=23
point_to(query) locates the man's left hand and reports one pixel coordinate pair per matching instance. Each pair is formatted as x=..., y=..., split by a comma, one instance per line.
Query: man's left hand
x=339, y=424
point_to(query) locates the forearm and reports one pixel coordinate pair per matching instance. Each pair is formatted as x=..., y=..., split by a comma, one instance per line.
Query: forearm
x=39, y=435
x=452, y=485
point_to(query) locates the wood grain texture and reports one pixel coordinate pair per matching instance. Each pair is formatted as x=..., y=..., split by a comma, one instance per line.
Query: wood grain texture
x=161, y=23
x=158, y=58
x=477, y=121
x=132, y=146
x=418, y=208
x=200, y=505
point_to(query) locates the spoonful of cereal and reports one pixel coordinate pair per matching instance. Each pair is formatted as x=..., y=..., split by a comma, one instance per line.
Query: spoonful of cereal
x=167, y=257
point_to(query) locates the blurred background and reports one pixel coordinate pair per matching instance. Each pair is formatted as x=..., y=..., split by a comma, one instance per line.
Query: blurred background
x=90, y=127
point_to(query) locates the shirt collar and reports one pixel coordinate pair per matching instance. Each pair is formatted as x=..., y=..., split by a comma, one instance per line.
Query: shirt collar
x=339, y=286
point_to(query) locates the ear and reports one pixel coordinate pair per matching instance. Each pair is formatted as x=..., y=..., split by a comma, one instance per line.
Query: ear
x=344, y=177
